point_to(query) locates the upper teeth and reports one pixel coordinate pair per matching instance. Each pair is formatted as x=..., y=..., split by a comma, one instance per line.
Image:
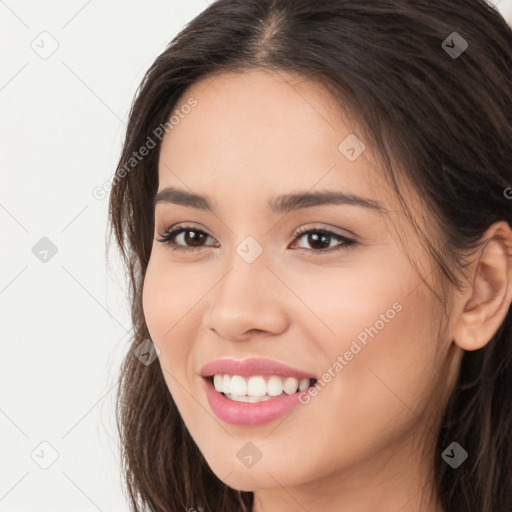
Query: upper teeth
x=257, y=386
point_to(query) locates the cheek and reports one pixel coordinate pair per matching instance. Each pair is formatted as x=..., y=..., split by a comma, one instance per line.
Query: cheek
x=384, y=378
x=375, y=332
x=390, y=358
x=361, y=302
x=168, y=297
x=168, y=300
x=155, y=302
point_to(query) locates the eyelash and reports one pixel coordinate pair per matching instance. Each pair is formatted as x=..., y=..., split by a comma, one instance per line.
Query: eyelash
x=168, y=236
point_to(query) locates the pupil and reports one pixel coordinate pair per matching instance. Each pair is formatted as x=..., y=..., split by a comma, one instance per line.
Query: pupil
x=314, y=238
x=195, y=239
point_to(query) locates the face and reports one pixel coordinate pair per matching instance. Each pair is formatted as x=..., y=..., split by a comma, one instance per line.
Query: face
x=339, y=301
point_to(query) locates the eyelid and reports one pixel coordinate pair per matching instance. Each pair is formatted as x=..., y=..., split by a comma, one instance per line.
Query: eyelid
x=346, y=240
x=335, y=231
x=179, y=228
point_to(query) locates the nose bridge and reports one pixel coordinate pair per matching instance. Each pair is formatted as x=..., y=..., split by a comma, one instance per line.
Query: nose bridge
x=246, y=297
x=246, y=280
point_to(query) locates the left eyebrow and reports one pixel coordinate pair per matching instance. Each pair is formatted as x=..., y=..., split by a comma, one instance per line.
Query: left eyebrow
x=289, y=202
x=280, y=204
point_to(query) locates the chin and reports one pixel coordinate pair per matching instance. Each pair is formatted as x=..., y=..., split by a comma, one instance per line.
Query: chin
x=248, y=480
x=252, y=479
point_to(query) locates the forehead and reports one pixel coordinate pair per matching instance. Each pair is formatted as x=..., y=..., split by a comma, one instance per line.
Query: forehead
x=264, y=131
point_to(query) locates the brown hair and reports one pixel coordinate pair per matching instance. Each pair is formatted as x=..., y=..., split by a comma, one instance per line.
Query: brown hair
x=441, y=119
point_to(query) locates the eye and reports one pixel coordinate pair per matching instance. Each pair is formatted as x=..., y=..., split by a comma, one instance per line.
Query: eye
x=320, y=239
x=193, y=238
x=191, y=235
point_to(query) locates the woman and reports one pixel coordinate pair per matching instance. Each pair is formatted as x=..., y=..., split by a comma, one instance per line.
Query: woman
x=314, y=207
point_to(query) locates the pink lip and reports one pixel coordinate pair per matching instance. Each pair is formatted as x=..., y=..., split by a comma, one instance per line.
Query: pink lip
x=252, y=366
x=246, y=413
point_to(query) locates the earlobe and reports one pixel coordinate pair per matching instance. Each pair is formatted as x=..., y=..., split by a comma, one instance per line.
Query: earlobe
x=490, y=294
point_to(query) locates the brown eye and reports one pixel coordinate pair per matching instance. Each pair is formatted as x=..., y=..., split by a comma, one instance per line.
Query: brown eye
x=184, y=238
x=194, y=238
x=320, y=240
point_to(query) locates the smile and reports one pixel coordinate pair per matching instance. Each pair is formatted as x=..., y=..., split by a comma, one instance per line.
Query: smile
x=245, y=410
x=253, y=391
x=257, y=388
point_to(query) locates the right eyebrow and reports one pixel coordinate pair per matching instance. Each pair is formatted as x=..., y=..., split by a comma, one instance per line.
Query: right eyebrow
x=182, y=197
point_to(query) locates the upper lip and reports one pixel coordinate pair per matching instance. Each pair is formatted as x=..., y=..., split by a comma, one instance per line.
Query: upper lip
x=252, y=366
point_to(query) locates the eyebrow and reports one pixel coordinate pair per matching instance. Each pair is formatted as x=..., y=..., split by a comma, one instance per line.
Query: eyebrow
x=280, y=204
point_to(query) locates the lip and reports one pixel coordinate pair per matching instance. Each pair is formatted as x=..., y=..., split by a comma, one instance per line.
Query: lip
x=250, y=413
x=252, y=366
x=247, y=413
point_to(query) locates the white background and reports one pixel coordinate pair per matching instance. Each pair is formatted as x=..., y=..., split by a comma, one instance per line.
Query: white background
x=64, y=322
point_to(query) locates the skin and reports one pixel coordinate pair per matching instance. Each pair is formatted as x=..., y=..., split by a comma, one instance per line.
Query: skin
x=364, y=443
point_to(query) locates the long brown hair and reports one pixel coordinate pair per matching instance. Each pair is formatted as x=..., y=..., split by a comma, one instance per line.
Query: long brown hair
x=440, y=119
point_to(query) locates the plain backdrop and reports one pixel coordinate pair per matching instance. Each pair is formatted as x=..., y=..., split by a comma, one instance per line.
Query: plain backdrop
x=69, y=71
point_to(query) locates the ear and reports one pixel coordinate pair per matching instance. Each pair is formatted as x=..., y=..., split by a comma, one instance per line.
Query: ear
x=491, y=292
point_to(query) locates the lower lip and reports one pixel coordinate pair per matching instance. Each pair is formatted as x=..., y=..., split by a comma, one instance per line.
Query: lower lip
x=246, y=413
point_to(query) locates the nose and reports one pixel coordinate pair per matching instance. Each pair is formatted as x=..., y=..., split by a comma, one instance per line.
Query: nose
x=249, y=300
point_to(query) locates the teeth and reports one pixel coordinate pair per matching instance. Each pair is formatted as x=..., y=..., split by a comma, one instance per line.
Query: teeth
x=256, y=388
x=251, y=399
x=218, y=382
x=275, y=386
x=226, y=384
x=238, y=386
x=290, y=385
x=303, y=384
